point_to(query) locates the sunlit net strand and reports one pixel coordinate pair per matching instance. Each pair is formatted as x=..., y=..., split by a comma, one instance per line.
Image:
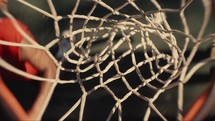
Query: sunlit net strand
x=110, y=65
x=115, y=47
x=207, y=11
x=110, y=48
x=83, y=95
x=180, y=86
x=101, y=59
x=151, y=106
x=106, y=35
x=113, y=110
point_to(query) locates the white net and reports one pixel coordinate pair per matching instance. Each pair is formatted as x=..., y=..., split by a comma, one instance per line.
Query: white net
x=117, y=51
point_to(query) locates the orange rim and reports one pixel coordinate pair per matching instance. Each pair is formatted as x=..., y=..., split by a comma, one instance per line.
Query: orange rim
x=197, y=105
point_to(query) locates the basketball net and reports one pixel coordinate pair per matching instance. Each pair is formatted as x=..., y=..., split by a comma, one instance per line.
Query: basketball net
x=118, y=45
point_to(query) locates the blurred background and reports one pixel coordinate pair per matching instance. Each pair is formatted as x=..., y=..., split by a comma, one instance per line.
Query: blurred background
x=100, y=104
